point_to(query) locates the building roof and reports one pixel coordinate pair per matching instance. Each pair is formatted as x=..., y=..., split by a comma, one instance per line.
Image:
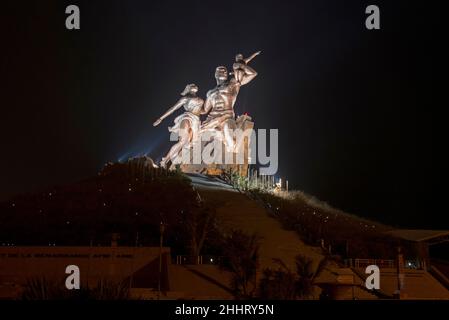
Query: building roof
x=418, y=235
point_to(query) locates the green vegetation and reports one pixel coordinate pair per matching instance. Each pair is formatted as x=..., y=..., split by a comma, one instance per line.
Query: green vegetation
x=43, y=289
x=341, y=234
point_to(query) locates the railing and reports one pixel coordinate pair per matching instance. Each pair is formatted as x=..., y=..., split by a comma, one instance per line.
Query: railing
x=186, y=259
x=363, y=263
x=382, y=263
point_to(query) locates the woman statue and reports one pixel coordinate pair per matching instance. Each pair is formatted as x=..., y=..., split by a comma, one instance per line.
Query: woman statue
x=187, y=124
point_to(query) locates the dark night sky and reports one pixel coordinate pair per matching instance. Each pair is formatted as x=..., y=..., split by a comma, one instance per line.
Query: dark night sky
x=354, y=128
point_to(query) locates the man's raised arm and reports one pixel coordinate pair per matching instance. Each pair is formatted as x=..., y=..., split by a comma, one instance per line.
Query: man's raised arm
x=243, y=73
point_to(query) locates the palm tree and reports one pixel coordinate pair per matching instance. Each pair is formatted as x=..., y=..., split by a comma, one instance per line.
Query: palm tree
x=284, y=284
x=307, y=275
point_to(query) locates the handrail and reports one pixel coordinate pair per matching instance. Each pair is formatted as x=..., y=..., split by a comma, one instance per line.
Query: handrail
x=437, y=274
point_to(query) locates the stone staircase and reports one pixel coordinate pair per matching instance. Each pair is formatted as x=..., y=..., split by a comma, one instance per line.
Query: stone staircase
x=236, y=211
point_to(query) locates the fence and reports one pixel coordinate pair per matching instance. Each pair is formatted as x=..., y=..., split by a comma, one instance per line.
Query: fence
x=363, y=263
x=186, y=260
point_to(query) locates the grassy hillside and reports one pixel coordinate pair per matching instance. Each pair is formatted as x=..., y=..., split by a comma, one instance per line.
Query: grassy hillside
x=317, y=223
x=133, y=198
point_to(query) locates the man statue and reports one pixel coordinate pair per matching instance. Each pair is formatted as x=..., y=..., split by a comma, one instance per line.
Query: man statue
x=220, y=101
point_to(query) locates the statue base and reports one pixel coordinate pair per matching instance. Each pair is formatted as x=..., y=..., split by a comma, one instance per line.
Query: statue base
x=215, y=169
x=219, y=166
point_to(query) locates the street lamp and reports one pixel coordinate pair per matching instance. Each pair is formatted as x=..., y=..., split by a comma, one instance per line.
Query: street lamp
x=161, y=232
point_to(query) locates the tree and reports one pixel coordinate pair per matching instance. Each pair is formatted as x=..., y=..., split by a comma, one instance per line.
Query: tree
x=307, y=275
x=278, y=284
x=284, y=284
x=199, y=223
x=241, y=253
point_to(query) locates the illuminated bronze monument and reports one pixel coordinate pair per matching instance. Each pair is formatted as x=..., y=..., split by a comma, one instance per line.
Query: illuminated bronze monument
x=221, y=120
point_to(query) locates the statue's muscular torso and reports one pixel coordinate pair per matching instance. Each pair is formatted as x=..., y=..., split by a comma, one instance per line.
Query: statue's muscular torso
x=222, y=98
